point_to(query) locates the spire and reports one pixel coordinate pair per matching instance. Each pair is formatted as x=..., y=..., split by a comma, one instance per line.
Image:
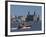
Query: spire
x=34, y=12
x=38, y=15
x=28, y=13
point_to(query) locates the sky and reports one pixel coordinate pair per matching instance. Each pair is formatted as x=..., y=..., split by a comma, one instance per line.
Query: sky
x=22, y=10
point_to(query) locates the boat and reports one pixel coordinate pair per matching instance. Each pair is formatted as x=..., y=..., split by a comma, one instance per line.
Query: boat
x=24, y=26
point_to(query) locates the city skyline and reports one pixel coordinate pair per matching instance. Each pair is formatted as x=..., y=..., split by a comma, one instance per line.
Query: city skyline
x=19, y=10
